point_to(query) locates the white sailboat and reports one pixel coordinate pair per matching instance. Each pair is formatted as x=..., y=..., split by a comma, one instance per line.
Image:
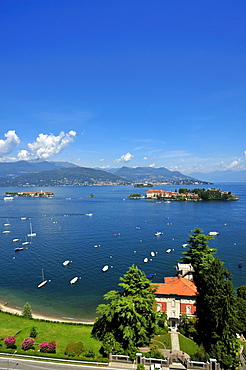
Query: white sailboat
x=7, y=223
x=43, y=281
x=26, y=242
x=31, y=233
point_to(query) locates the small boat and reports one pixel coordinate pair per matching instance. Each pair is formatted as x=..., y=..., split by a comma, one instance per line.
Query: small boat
x=18, y=249
x=213, y=233
x=26, y=242
x=24, y=218
x=7, y=223
x=145, y=260
x=150, y=276
x=184, y=245
x=152, y=254
x=97, y=245
x=89, y=214
x=105, y=268
x=8, y=198
x=6, y=231
x=168, y=250
x=43, y=281
x=31, y=233
x=15, y=240
x=240, y=265
x=158, y=233
x=74, y=280
x=65, y=263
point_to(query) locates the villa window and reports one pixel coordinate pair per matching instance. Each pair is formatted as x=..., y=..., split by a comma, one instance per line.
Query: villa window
x=173, y=303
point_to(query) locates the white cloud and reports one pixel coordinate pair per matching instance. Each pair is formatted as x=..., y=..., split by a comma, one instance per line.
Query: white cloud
x=46, y=146
x=152, y=165
x=125, y=158
x=8, y=145
x=145, y=158
x=101, y=160
x=234, y=164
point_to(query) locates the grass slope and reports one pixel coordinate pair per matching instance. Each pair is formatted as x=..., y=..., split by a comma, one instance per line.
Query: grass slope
x=62, y=333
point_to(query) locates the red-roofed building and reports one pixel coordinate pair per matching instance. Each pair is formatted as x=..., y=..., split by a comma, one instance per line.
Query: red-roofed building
x=176, y=296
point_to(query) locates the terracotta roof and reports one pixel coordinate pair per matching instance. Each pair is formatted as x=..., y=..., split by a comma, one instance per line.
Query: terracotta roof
x=176, y=285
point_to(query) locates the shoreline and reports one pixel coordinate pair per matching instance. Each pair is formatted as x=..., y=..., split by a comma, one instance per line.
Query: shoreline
x=17, y=311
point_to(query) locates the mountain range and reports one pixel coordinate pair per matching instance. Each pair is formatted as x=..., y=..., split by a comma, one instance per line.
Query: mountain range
x=221, y=176
x=44, y=173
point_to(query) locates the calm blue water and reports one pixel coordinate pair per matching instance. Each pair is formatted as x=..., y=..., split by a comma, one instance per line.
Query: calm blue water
x=124, y=229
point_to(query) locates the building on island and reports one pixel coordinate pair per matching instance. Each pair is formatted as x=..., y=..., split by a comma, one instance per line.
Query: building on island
x=156, y=194
x=40, y=193
x=177, y=295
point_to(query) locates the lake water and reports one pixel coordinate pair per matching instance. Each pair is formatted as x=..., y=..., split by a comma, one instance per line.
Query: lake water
x=124, y=228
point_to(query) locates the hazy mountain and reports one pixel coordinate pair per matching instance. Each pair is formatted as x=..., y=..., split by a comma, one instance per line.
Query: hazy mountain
x=150, y=174
x=221, y=176
x=75, y=176
x=23, y=167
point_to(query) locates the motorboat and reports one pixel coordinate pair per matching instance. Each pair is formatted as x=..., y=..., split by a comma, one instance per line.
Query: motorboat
x=6, y=231
x=213, y=233
x=168, y=250
x=184, y=245
x=150, y=276
x=105, y=268
x=15, y=240
x=145, y=260
x=97, y=245
x=152, y=254
x=8, y=198
x=65, y=263
x=18, y=249
x=24, y=218
x=158, y=233
x=43, y=282
x=31, y=233
x=74, y=280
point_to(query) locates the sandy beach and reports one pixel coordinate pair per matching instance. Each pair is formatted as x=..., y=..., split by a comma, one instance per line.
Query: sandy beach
x=17, y=311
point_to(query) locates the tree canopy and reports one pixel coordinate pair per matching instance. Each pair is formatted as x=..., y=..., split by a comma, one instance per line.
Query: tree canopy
x=129, y=320
x=216, y=305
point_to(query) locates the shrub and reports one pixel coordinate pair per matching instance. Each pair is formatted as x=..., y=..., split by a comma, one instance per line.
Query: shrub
x=48, y=347
x=27, y=310
x=27, y=343
x=140, y=367
x=90, y=353
x=33, y=332
x=10, y=341
x=73, y=347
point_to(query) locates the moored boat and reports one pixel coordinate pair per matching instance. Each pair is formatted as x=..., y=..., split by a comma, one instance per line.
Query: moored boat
x=105, y=268
x=74, y=280
x=213, y=233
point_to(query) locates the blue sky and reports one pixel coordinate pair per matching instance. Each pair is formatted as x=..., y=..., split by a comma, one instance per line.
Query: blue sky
x=114, y=83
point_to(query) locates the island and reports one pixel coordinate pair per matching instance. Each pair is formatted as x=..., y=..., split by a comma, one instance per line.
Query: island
x=29, y=194
x=196, y=194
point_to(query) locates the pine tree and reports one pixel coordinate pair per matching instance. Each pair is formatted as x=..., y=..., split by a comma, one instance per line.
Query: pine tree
x=27, y=310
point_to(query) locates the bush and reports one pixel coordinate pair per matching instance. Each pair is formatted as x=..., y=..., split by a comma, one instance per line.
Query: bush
x=140, y=367
x=90, y=353
x=33, y=332
x=46, y=347
x=10, y=341
x=73, y=347
x=27, y=343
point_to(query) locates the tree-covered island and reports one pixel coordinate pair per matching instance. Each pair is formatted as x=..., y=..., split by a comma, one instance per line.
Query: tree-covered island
x=196, y=194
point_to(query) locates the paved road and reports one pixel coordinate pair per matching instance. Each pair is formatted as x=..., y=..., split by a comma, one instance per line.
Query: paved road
x=21, y=364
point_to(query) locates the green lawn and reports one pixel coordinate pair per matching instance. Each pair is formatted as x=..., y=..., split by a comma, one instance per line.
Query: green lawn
x=162, y=341
x=62, y=333
x=187, y=345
